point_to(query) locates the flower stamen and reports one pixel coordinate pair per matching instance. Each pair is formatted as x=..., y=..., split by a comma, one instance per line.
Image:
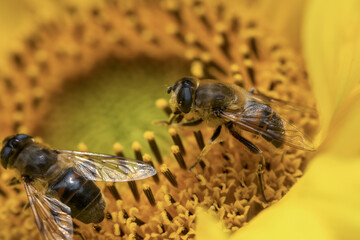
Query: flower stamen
x=169, y=175
x=137, y=150
x=149, y=136
x=163, y=104
x=118, y=149
x=134, y=190
x=147, y=159
x=177, y=140
x=178, y=156
x=149, y=194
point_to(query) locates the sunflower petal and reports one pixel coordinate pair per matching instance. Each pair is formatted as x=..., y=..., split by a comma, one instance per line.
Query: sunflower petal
x=208, y=227
x=344, y=139
x=322, y=205
x=332, y=51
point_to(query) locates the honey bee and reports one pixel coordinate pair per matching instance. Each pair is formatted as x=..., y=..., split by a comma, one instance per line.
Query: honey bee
x=60, y=183
x=219, y=104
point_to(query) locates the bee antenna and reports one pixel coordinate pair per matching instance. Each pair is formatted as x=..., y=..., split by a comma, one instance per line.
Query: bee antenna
x=169, y=89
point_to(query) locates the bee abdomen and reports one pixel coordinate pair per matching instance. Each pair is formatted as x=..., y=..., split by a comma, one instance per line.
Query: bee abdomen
x=273, y=125
x=266, y=119
x=82, y=196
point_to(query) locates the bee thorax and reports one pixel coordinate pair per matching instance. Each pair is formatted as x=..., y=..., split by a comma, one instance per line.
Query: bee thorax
x=35, y=161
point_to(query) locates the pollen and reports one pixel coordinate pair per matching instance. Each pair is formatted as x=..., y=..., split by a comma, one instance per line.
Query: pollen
x=213, y=41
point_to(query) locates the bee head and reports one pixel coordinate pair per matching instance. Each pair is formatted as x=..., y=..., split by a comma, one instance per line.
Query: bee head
x=12, y=146
x=184, y=90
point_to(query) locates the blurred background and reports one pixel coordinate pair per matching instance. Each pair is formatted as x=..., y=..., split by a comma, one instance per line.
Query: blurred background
x=113, y=100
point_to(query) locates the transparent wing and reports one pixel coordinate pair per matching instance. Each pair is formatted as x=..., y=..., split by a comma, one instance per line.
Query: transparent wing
x=51, y=216
x=289, y=134
x=102, y=167
x=279, y=104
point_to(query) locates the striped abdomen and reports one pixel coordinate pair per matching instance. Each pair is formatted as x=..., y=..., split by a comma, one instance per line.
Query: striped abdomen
x=265, y=118
x=81, y=195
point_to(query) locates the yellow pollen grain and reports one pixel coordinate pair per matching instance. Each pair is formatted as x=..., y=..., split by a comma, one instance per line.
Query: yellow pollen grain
x=118, y=147
x=175, y=149
x=171, y=4
x=248, y=63
x=190, y=38
x=119, y=204
x=114, y=216
x=244, y=49
x=19, y=98
x=172, y=29
x=197, y=69
x=133, y=211
x=121, y=218
x=116, y=229
x=82, y=147
x=190, y=54
x=237, y=77
x=234, y=67
x=167, y=199
x=205, y=56
x=148, y=135
x=220, y=27
x=172, y=131
x=146, y=157
x=218, y=39
x=136, y=146
x=161, y=103
x=132, y=226
x=164, y=168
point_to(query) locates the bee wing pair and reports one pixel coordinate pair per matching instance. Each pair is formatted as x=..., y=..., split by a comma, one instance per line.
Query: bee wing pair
x=52, y=216
x=280, y=104
x=290, y=134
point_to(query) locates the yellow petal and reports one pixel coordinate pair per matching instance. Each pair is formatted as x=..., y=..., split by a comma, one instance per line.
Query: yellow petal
x=345, y=131
x=324, y=204
x=208, y=227
x=331, y=39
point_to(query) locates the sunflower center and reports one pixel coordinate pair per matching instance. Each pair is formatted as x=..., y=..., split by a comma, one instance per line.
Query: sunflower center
x=113, y=102
x=62, y=89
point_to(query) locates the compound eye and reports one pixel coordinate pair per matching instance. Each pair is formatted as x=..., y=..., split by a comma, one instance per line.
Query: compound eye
x=22, y=136
x=14, y=143
x=184, y=99
x=5, y=155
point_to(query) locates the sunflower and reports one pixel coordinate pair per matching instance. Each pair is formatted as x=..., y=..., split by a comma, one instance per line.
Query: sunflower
x=87, y=75
x=322, y=204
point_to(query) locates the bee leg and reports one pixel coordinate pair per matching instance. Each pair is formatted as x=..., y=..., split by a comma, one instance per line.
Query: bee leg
x=76, y=232
x=256, y=91
x=260, y=170
x=208, y=146
x=174, y=117
x=253, y=149
x=193, y=123
x=252, y=90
